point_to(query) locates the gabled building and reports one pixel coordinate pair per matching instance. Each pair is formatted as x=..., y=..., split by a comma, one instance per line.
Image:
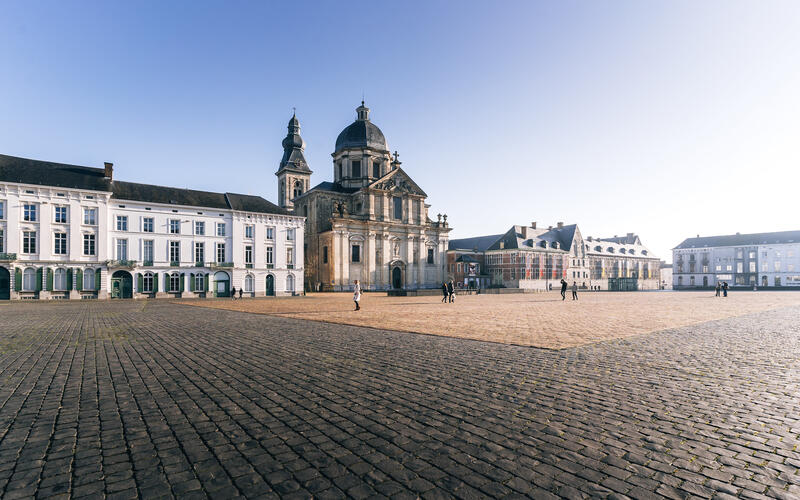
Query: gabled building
x=371, y=223
x=71, y=232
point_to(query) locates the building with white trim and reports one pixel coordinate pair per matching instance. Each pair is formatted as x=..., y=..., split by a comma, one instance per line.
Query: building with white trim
x=70, y=232
x=762, y=260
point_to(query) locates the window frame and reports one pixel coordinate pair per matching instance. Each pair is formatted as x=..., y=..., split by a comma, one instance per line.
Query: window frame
x=29, y=212
x=174, y=250
x=63, y=219
x=174, y=279
x=89, y=216
x=122, y=223
x=174, y=226
x=147, y=282
x=60, y=273
x=199, y=228
x=148, y=224
x=220, y=253
x=201, y=246
x=91, y=240
x=221, y=229
x=59, y=239
x=29, y=242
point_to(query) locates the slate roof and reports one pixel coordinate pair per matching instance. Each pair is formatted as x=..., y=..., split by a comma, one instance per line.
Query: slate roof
x=515, y=239
x=617, y=246
x=361, y=134
x=730, y=240
x=250, y=203
x=44, y=173
x=479, y=243
x=331, y=186
x=628, y=239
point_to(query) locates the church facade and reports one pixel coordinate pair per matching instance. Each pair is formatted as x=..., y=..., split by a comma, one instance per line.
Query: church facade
x=371, y=223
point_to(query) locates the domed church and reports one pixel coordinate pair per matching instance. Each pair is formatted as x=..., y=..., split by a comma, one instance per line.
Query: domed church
x=371, y=223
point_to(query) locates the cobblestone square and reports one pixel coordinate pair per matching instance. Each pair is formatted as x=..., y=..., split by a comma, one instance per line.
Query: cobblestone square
x=152, y=399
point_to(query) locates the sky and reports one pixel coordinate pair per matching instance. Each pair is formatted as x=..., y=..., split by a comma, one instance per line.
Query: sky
x=667, y=119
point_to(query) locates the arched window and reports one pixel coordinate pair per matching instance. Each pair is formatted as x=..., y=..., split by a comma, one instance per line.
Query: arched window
x=174, y=282
x=298, y=189
x=29, y=279
x=290, y=283
x=60, y=279
x=248, y=283
x=147, y=283
x=88, y=279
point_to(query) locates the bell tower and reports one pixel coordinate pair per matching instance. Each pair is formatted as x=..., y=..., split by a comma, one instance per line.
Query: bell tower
x=294, y=176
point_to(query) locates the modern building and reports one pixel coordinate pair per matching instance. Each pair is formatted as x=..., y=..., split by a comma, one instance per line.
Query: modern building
x=765, y=260
x=530, y=257
x=71, y=232
x=371, y=223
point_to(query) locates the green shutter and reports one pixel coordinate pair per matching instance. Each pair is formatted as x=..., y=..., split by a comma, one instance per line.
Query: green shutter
x=155, y=282
x=39, y=273
x=166, y=282
x=17, y=280
x=97, y=279
x=205, y=285
x=69, y=279
x=182, y=280
x=49, y=285
x=139, y=282
x=191, y=282
x=79, y=279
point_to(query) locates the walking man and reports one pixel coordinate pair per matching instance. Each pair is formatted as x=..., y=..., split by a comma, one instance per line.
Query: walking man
x=357, y=294
x=574, y=290
x=240, y=292
x=563, y=289
x=445, y=293
x=451, y=291
x=233, y=293
x=724, y=288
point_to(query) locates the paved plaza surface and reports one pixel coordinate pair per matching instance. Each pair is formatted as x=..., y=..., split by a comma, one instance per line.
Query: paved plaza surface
x=538, y=320
x=157, y=399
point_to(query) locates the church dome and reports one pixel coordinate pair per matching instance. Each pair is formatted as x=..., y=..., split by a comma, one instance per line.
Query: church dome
x=362, y=133
x=293, y=139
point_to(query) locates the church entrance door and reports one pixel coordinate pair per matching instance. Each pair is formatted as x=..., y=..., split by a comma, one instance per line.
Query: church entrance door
x=270, y=285
x=5, y=284
x=397, y=278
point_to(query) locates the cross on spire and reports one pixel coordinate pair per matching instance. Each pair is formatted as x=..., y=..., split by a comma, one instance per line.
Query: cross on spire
x=396, y=156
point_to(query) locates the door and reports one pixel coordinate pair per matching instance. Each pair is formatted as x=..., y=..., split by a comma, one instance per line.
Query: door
x=116, y=287
x=705, y=281
x=270, y=285
x=763, y=281
x=222, y=284
x=121, y=285
x=5, y=284
x=397, y=278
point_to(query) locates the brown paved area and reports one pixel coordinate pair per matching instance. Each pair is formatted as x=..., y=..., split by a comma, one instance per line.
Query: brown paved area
x=152, y=399
x=540, y=320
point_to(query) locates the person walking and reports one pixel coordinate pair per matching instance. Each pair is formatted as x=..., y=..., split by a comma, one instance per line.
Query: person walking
x=233, y=293
x=357, y=294
x=716, y=289
x=445, y=293
x=724, y=288
x=451, y=291
x=240, y=292
x=574, y=290
x=563, y=289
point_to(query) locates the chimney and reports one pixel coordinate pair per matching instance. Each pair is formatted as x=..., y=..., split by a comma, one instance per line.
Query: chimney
x=524, y=233
x=533, y=225
x=560, y=224
x=108, y=171
x=589, y=238
x=630, y=235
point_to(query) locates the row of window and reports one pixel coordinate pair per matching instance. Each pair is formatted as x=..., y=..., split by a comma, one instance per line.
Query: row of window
x=174, y=252
x=355, y=254
x=29, y=243
x=199, y=228
x=173, y=284
x=29, y=280
x=30, y=213
x=356, y=171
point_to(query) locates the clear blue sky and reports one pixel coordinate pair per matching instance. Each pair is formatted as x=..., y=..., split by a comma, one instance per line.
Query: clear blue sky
x=667, y=119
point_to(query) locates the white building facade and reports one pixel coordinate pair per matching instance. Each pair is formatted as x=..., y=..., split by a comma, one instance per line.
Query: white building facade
x=71, y=232
x=762, y=260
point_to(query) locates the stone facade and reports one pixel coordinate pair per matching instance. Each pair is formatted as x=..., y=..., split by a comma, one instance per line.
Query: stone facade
x=371, y=224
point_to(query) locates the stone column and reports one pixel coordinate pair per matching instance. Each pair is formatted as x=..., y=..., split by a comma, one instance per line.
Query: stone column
x=369, y=259
x=74, y=293
x=371, y=202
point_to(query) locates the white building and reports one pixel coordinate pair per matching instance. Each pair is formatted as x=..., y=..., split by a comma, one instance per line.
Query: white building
x=743, y=260
x=69, y=232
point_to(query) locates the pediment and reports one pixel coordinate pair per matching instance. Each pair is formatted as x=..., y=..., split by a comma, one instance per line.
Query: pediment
x=397, y=181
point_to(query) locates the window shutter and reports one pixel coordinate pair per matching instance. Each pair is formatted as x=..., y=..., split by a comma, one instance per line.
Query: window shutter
x=17, y=279
x=97, y=279
x=206, y=282
x=69, y=279
x=139, y=282
x=39, y=273
x=191, y=282
x=49, y=285
x=166, y=282
x=155, y=282
x=182, y=282
x=79, y=279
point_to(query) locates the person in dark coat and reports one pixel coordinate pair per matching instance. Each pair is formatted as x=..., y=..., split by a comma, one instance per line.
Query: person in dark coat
x=563, y=289
x=240, y=293
x=724, y=288
x=445, y=293
x=451, y=291
x=233, y=292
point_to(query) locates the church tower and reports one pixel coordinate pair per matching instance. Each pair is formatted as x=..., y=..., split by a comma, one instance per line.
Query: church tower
x=294, y=176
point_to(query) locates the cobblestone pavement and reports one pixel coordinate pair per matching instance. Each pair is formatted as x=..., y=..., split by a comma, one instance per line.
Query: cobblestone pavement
x=152, y=399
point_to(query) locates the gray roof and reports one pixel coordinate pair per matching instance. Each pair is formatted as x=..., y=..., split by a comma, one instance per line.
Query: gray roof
x=628, y=239
x=362, y=133
x=479, y=243
x=293, y=146
x=730, y=240
x=44, y=173
x=333, y=187
x=538, y=239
